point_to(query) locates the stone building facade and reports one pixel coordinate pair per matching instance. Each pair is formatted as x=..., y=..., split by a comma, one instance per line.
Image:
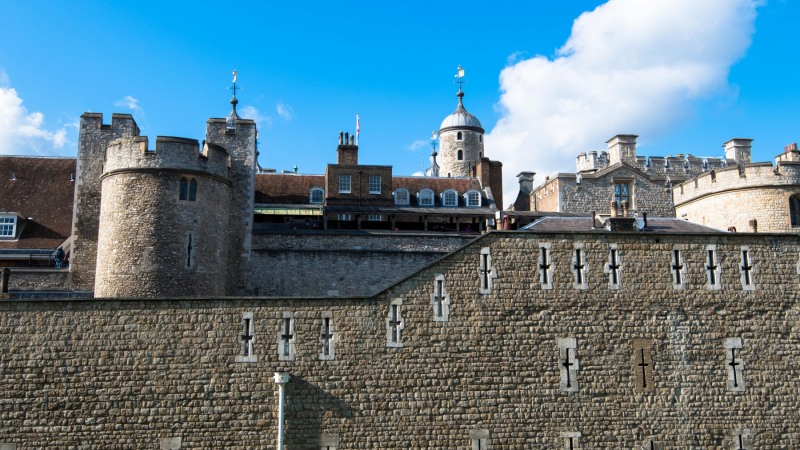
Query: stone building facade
x=756, y=197
x=518, y=340
x=618, y=174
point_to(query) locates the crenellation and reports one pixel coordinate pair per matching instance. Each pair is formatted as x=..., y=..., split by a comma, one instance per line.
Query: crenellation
x=169, y=154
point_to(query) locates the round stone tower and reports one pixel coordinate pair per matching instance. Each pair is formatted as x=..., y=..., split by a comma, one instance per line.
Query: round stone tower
x=163, y=219
x=460, y=142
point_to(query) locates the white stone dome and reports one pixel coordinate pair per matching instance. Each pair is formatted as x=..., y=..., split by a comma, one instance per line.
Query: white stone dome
x=461, y=118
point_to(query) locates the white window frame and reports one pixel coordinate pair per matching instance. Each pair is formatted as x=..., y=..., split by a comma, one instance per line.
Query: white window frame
x=717, y=271
x=375, y=184
x=286, y=349
x=8, y=222
x=374, y=217
x=746, y=278
x=331, y=355
x=397, y=197
x=477, y=197
x=321, y=196
x=395, y=340
x=344, y=217
x=345, y=183
x=439, y=282
x=450, y=194
x=246, y=354
x=425, y=194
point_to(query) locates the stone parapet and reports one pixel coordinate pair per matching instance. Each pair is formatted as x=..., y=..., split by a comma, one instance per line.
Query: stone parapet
x=170, y=153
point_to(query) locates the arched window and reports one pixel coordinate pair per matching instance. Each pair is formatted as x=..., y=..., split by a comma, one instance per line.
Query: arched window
x=183, y=189
x=472, y=199
x=459, y=136
x=425, y=197
x=401, y=197
x=480, y=138
x=460, y=155
x=192, y=190
x=794, y=210
x=316, y=196
x=450, y=198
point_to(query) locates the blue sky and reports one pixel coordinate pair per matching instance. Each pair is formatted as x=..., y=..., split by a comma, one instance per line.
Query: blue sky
x=547, y=79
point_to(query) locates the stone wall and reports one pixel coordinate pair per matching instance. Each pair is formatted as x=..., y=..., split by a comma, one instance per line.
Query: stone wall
x=39, y=279
x=296, y=264
x=733, y=198
x=132, y=374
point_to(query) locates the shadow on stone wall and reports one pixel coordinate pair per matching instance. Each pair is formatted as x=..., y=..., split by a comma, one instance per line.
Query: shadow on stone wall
x=308, y=407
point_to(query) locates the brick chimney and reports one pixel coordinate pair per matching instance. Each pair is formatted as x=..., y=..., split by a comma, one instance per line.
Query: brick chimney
x=347, y=151
x=738, y=149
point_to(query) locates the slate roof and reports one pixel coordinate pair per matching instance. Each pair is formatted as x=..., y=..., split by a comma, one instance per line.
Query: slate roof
x=555, y=223
x=43, y=191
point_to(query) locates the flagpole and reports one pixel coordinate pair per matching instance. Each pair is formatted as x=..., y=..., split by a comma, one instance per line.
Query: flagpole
x=358, y=128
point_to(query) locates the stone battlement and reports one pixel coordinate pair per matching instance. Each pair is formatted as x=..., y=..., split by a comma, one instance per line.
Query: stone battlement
x=749, y=176
x=122, y=124
x=170, y=153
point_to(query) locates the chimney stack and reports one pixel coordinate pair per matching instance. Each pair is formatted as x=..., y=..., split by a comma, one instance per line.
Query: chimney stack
x=347, y=151
x=738, y=149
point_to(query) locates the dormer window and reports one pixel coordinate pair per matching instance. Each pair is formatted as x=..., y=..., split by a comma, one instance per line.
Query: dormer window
x=425, y=197
x=460, y=155
x=8, y=226
x=401, y=197
x=450, y=198
x=459, y=136
x=472, y=199
x=316, y=196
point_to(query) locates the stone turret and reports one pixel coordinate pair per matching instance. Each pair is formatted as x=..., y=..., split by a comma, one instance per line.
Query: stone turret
x=164, y=219
x=93, y=139
x=239, y=141
x=460, y=142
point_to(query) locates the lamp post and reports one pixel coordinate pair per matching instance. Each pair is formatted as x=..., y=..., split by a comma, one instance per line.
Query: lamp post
x=280, y=379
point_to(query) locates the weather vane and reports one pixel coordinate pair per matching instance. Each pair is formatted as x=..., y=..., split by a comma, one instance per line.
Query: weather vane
x=434, y=136
x=459, y=76
x=234, y=87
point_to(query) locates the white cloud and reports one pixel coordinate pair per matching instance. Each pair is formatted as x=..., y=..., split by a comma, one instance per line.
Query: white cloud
x=629, y=66
x=284, y=111
x=129, y=102
x=250, y=112
x=22, y=132
x=418, y=144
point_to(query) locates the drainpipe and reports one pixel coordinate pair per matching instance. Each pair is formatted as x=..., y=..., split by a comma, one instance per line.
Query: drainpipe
x=280, y=379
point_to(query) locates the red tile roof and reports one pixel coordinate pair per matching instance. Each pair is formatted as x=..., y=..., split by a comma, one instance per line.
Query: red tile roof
x=286, y=188
x=43, y=191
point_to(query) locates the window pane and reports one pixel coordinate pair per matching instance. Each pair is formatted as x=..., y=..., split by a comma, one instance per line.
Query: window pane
x=192, y=190
x=401, y=197
x=7, y=226
x=182, y=189
x=344, y=183
x=374, y=184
